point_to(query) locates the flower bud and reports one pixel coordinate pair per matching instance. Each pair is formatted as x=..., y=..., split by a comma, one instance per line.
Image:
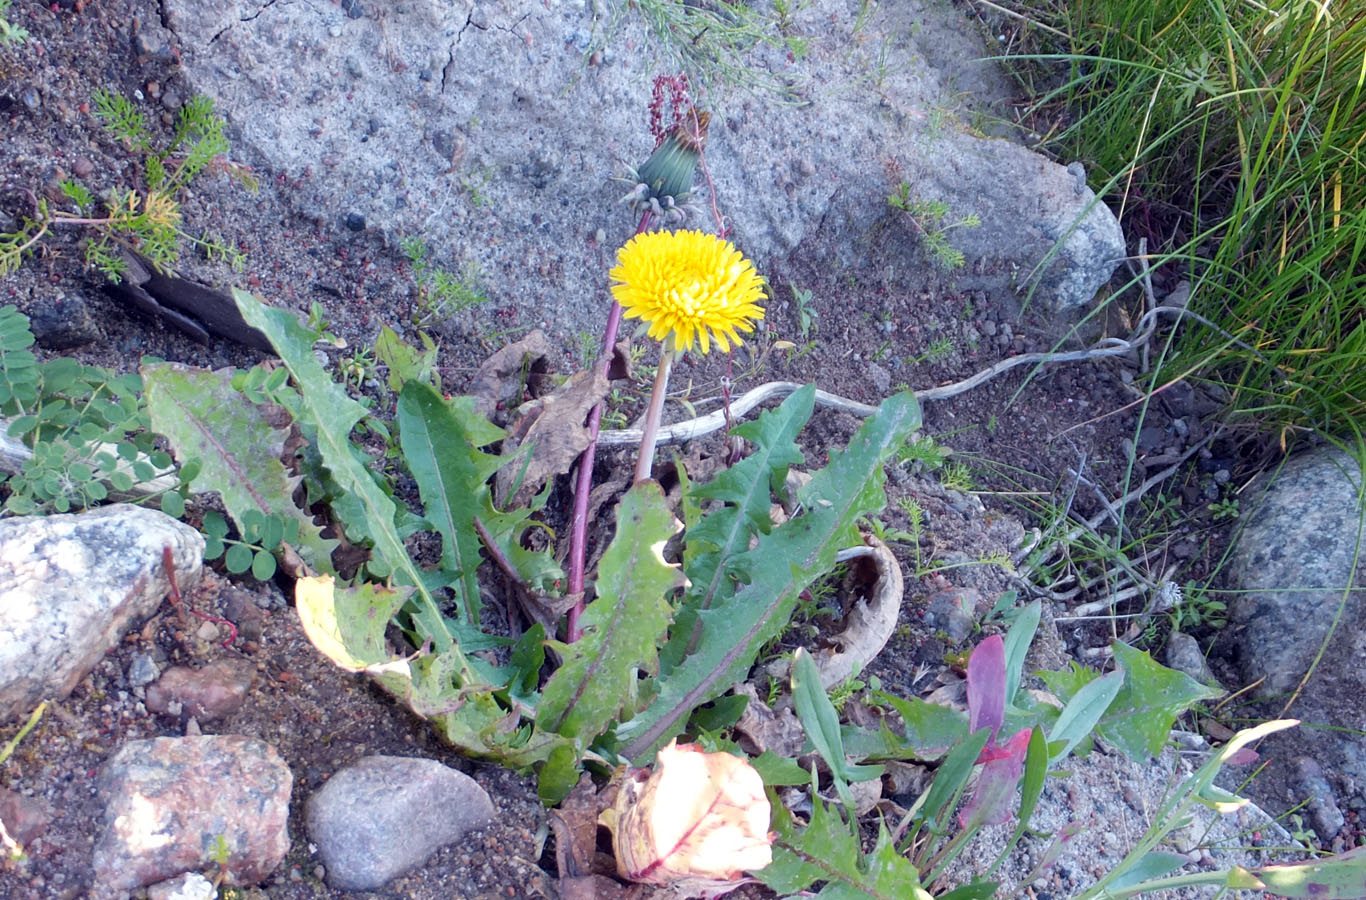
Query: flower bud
x=664, y=182
x=698, y=821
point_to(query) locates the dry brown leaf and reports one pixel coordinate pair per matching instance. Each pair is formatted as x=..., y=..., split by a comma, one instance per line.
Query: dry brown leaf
x=905, y=777
x=554, y=427
x=952, y=692
x=869, y=624
x=546, y=609
x=499, y=381
x=866, y=794
x=575, y=823
x=763, y=729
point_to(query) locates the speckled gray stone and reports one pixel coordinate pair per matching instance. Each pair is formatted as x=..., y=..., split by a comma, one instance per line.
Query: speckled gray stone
x=507, y=147
x=1312, y=787
x=385, y=815
x=1292, y=561
x=1184, y=654
x=70, y=585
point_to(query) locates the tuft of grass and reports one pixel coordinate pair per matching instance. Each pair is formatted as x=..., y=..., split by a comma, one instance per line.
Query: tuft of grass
x=715, y=43
x=441, y=294
x=9, y=32
x=1230, y=137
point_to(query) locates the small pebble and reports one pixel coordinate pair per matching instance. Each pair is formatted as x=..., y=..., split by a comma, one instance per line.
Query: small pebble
x=82, y=167
x=142, y=671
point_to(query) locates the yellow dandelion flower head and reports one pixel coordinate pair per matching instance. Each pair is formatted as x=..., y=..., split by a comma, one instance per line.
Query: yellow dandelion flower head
x=690, y=284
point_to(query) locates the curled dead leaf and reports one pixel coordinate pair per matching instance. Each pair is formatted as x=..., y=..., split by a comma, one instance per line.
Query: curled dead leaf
x=501, y=379
x=697, y=822
x=869, y=624
x=766, y=729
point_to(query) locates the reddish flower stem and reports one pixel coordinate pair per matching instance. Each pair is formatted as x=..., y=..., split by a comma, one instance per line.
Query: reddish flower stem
x=578, y=533
x=168, y=563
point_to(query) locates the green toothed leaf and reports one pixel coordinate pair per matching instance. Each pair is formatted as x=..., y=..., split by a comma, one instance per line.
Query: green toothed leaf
x=783, y=563
x=622, y=628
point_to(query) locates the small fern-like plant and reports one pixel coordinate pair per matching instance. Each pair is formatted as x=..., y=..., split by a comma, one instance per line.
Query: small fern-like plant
x=9, y=32
x=927, y=217
x=146, y=220
x=441, y=294
x=85, y=432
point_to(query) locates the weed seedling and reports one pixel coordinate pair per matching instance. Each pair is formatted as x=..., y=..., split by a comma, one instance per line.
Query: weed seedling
x=923, y=453
x=9, y=32
x=958, y=477
x=440, y=293
x=1225, y=508
x=806, y=316
x=1195, y=608
x=840, y=693
x=927, y=217
x=937, y=350
x=147, y=221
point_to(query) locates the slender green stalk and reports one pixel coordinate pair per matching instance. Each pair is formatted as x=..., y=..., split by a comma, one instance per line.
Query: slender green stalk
x=650, y=432
x=33, y=718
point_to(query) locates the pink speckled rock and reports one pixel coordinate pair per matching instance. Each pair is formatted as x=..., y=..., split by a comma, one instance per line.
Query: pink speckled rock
x=174, y=804
x=214, y=692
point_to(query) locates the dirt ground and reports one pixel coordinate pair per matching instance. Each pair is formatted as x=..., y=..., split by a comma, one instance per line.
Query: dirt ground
x=1024, y=438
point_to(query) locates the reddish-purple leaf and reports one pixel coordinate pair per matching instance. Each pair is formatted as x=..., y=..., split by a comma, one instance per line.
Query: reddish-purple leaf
x=995, y=792
x=987, y=686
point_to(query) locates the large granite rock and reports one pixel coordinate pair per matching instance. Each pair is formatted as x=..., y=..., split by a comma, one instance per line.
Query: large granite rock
x=498, y=133
x=71, y=585
x=1292, y=564
x=1292, y=567
x=175, y=805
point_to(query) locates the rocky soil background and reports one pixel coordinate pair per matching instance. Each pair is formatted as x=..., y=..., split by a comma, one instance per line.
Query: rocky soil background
x=499, y=135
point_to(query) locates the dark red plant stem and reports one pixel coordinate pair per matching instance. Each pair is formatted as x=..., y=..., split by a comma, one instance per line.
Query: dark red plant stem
x=722, y=229
x=168, y=563
x=578, y=532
